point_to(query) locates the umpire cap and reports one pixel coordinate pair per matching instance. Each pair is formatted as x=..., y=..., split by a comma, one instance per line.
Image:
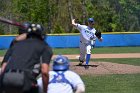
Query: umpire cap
x=60, y=63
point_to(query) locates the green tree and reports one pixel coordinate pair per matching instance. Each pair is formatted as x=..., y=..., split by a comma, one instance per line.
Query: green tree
x=54, y=15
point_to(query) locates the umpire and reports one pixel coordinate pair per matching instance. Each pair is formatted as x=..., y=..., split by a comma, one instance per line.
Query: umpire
x=17, y=76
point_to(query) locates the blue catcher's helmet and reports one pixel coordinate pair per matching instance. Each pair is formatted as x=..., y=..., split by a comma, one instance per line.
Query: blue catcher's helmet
x=60, y=63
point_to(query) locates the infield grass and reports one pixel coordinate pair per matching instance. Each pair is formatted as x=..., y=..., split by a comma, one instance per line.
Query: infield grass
x=130, y=61
x=98, y=50
x=128, y=83
x=2, y=52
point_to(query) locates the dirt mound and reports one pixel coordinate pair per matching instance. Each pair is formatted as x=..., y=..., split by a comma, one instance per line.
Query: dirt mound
x=101, y=68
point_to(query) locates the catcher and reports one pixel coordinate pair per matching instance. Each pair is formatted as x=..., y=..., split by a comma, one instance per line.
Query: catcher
x=62, y=79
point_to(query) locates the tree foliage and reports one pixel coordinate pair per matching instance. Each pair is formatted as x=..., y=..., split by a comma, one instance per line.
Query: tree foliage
x=56, y=15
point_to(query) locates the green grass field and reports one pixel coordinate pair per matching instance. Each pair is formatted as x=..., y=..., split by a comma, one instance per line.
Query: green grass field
x=112, y=83
x=99, y=50
x=128, y=83
x=130, y=61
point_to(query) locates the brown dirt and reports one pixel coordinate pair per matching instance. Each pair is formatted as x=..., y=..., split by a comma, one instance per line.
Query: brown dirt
x=105, y=67
x=122, y=55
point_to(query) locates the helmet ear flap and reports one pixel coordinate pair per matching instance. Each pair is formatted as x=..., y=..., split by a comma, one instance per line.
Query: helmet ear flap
x=24, y=30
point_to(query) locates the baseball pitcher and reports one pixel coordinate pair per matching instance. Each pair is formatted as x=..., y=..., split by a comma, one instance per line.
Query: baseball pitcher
x=88, y=35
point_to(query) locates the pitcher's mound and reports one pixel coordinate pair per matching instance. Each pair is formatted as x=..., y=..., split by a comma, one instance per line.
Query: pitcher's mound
x=101, y=68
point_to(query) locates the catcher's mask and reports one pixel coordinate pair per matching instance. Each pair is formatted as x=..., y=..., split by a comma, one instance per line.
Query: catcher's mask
x=60, y=63
x=22, y=30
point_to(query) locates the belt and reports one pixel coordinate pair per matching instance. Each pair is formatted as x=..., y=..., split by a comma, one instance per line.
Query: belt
x=84, y=43
x=14, y=70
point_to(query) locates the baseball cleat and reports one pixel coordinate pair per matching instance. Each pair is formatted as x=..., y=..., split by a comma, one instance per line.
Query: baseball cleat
x=86, y=66
x=81, y=63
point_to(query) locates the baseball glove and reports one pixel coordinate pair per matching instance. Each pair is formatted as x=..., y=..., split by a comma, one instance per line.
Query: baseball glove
x=98, y=34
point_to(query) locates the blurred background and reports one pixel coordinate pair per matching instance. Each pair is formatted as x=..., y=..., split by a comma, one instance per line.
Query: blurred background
x=56, y=15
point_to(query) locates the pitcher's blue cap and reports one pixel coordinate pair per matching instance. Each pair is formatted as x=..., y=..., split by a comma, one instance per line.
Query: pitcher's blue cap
x=90, y=20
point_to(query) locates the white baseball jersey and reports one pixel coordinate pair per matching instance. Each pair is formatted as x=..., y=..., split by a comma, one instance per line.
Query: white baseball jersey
x=72, y=80
x=86, y=33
